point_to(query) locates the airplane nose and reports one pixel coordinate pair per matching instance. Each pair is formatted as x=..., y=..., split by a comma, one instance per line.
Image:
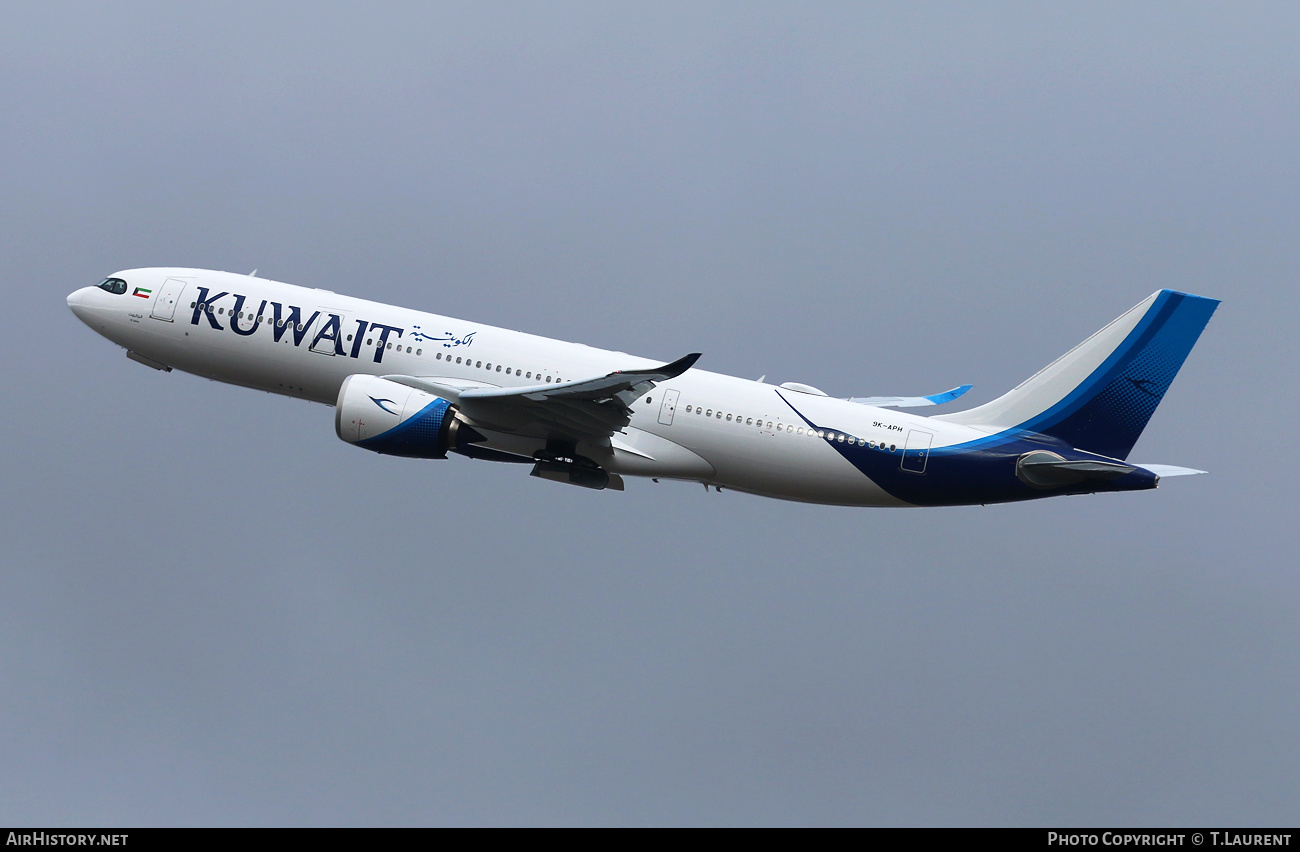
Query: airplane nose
x=77, y=302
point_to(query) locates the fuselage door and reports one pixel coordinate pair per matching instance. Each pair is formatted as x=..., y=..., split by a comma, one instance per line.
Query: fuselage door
x=916, y=452
x=164, y=304
x=668, y=408
x=329, y=334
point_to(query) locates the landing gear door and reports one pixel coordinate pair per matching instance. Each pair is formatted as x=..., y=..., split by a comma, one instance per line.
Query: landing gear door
x=916, y=452
x=668, y=408
x=164, y=304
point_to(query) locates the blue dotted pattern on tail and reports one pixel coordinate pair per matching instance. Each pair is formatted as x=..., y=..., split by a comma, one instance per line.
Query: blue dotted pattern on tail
x=415, y=437
x=1107, y=412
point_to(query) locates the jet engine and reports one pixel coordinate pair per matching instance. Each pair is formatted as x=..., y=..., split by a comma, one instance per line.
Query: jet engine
x=397, y=420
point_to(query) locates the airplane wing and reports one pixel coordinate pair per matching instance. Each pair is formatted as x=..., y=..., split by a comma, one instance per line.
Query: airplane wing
x=585, y=409
x=911, y=401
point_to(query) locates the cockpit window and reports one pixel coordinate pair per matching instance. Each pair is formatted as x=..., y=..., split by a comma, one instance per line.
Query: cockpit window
x=113, y=285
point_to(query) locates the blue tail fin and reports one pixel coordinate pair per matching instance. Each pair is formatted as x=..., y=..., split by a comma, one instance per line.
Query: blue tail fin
x=1099, y=396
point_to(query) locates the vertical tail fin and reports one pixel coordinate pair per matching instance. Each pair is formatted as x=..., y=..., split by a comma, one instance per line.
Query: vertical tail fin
x=1099, y=396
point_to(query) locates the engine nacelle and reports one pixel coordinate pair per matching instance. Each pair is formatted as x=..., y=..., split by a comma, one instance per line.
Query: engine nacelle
x=396, y=420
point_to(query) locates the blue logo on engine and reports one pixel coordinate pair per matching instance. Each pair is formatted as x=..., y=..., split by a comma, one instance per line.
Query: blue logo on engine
x=380, y=403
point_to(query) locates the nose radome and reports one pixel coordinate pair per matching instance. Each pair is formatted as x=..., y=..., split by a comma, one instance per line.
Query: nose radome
x=77, y=301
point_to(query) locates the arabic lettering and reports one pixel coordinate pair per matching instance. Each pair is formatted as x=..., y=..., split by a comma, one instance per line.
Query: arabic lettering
x=447, y=339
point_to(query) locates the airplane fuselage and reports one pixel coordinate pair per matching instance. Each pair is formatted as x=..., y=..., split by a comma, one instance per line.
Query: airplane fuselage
x=776, y=441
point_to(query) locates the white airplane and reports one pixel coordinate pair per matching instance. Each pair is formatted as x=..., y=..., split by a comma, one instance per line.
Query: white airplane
x=416, y=384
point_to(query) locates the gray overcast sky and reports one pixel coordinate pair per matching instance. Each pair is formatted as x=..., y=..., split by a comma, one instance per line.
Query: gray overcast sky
x=212, y=611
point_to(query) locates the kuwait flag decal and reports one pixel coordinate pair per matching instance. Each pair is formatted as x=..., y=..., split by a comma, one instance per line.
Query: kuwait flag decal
x=142, y=292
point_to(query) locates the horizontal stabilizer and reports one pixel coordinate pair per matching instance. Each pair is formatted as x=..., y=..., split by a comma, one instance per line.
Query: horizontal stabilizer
x=1163, y=470
x=1041, y=469
x=910, y=401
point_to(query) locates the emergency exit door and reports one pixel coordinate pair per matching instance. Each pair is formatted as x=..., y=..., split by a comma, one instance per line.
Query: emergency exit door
x=916, y=452
x=164, y=304
x=668, y=408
